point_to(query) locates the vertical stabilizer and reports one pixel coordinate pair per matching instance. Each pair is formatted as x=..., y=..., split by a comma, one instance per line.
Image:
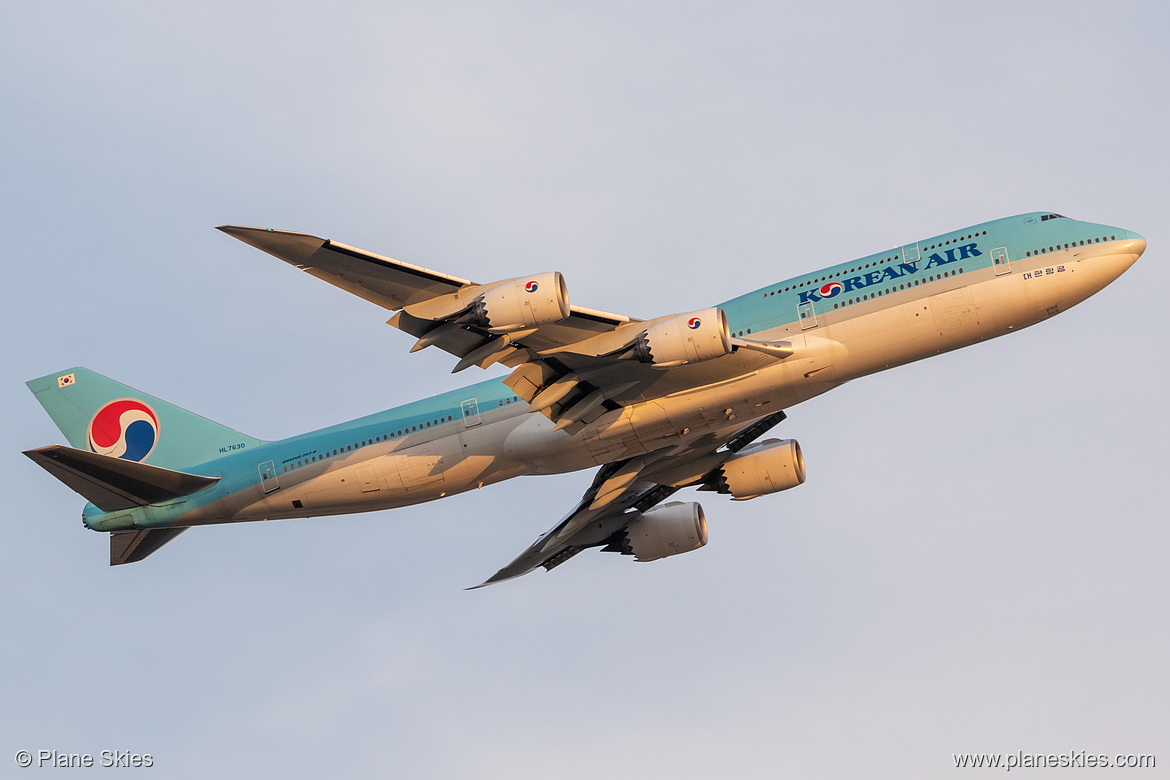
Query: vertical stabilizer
x=100, y=415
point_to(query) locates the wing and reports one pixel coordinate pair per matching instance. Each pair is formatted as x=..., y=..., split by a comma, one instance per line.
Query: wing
x=623, y=490
x=388, y=283
x=573, y=369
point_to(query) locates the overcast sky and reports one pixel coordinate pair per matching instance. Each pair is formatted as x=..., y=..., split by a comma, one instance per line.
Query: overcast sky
x=977, y=563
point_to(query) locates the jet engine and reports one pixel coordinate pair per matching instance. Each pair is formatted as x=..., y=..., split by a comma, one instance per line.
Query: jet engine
x=666, y=530
x=524, y=302
x=767, y=467
x=685, y=338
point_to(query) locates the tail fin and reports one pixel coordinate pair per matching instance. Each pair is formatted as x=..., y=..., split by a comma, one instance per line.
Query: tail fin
x=100, y=415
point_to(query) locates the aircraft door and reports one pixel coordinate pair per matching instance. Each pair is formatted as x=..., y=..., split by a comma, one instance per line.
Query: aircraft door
x=808, y=317
x=268, y=479
x=470, y=413
x=999, y=261
x=910, y=253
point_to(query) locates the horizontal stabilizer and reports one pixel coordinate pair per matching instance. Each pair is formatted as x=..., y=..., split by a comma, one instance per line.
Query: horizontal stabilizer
x=131, y=546
x=112, y=484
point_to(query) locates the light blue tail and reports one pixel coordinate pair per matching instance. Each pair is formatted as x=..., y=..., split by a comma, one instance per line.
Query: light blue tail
x=100, y=415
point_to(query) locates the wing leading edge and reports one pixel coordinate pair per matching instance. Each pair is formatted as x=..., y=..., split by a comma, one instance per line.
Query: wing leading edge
x=572, y=367
x=434, y=308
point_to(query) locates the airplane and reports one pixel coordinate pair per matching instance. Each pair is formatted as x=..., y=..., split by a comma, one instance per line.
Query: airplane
x=656, y=405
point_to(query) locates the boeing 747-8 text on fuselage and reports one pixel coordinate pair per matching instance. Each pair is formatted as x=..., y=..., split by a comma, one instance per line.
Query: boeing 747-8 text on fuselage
x=655, y=405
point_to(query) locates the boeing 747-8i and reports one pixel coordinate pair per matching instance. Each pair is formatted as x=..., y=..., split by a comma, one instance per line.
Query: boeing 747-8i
x=656, y=405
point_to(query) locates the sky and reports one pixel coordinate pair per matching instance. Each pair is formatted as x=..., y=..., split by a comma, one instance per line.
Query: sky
x=976, y=564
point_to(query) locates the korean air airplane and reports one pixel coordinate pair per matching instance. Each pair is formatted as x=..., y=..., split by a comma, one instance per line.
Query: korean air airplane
x=657, y=405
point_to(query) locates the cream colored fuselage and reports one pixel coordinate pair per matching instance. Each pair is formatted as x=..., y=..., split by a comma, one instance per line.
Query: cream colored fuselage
x=894, y=325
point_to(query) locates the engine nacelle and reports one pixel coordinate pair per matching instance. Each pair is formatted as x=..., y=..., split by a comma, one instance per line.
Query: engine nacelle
x=524, y=302
x=666, y=530
x=685, y=338
x=767, y=467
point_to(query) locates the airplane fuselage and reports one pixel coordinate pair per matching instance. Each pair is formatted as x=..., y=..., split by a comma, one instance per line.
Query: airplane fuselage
x=842, y=322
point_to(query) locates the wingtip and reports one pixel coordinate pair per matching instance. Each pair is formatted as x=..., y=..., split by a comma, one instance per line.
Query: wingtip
x=489, y=581
x=246, y=230
x=239, y=231
x=495, y=578
x=289, y=246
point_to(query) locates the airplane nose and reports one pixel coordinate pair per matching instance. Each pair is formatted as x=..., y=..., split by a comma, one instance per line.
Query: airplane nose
x=1135, y=244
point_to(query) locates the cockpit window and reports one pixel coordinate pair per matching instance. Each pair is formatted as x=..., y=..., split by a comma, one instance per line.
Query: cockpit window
x=1047, y=217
